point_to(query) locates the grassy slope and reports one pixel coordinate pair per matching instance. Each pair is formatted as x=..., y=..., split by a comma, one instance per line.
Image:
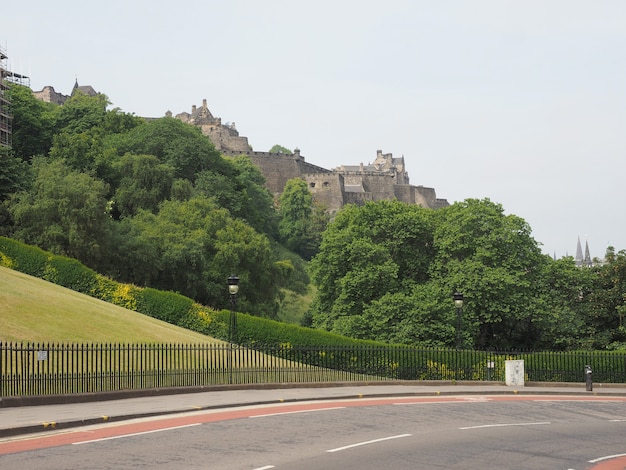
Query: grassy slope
x=35, y=310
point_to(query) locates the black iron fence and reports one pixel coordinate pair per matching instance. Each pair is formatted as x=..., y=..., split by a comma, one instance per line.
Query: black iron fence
x=28, y=369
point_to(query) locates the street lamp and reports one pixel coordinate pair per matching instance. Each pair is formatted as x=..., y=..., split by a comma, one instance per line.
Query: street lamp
x=458, y=303
x=233, y=288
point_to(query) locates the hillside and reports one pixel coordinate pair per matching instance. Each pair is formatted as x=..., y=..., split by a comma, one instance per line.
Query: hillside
x=35, y=310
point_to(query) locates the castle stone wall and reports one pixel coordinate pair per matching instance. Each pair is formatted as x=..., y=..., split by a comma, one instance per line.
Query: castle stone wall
x=327, y=189
x=385, y=179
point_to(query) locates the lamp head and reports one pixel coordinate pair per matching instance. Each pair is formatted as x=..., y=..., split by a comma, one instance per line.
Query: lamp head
x=233, y=284
x=458, y=299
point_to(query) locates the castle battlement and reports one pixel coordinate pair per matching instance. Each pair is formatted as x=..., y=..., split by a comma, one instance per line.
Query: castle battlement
x=384, y=179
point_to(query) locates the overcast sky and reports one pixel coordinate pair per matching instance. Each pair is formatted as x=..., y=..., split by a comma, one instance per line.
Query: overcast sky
x=521, y=102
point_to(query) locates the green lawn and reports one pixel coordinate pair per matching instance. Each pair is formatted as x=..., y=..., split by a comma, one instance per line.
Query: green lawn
x=33, y=310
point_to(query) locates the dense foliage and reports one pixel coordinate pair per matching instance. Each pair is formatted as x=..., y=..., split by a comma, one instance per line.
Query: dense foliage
x=387, y=271
x=148, y=202
x=153, y=204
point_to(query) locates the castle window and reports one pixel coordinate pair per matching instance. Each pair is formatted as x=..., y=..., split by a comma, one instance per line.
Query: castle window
x=312, y=184
x=326, y=184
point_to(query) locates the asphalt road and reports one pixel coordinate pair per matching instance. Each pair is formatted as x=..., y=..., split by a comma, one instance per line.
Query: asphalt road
x=467, y=432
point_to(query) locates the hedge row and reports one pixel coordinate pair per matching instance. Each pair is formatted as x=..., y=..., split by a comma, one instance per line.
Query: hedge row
x=170, y=307
x=305, y=345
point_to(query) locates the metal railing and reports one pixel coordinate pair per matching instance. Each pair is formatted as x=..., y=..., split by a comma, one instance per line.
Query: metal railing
x=28, y=369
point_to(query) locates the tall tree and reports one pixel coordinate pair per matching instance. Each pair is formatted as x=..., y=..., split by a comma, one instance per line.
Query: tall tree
x=81, y=113
x=606, y=321
x=493, y=259
x=361, y=259
x=144, y=183
x=295, y=210
x=175, y=143
x=64, y=212
x=33, y=123
x=192, y=247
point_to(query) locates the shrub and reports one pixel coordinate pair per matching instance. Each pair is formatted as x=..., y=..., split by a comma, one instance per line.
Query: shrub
x=68, y=272
x=167, y=306
x=24, y=258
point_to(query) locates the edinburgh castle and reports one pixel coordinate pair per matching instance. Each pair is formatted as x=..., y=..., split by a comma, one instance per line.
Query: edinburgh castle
x=384, y=179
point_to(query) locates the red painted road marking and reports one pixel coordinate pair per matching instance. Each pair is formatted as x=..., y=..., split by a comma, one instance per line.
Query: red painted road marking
x=138, y=427
x=614, y=463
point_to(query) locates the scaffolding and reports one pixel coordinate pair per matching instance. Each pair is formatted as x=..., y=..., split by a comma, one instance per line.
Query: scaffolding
x=7, y=77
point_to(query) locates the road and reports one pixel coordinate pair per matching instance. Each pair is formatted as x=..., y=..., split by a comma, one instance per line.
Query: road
x=454, y=432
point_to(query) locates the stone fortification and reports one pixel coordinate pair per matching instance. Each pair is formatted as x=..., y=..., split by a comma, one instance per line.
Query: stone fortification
x=223, y=136
x=50, y=95
x=384, y=179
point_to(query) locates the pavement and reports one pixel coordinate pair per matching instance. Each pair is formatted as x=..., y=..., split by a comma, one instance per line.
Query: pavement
x=23, y=415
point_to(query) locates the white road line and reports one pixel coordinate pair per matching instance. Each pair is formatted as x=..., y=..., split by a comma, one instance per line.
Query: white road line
x=617, y=420
x=338, y=449
x=134, y=434
x=607, y=457
x=267, y=467
x=295, y=412
x=505, y=424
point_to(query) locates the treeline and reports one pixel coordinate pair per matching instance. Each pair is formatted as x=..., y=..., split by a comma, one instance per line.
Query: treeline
x=387, y=271
x=147, y=202
x=152, y=203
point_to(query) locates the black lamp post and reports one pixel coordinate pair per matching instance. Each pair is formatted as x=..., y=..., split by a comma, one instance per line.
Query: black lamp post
x=233, y=288
x=458, y=303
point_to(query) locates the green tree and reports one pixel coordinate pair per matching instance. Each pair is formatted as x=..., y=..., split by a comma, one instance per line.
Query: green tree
x=175, y=143
x=81, y=113
x=493, y=259
x=605, y=323
x=258, y=206
x=14, y=173
x=192, y=247
x=280, y=149
x=562, y=295
x=64, y=212
x=144, y=183
x=33, y=123
x=295, y=212
x=362, y=258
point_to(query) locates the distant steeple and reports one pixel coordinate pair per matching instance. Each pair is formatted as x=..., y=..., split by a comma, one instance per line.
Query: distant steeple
x=587, y=260
x=579, y=260
x=579, y=254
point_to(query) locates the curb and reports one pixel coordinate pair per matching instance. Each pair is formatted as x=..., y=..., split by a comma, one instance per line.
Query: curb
x=107, y=396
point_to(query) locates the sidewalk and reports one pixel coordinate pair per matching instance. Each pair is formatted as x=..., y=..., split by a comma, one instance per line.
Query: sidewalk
x=18, y=420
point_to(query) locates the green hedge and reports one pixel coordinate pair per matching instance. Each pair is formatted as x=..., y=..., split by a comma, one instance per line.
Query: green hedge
x=68, y=272
x=167, y=306
x=307, y=345
x=24, y=258
x=255, y=331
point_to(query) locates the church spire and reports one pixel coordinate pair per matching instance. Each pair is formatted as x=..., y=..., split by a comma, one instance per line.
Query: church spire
x=579, y=254
x=587, y=260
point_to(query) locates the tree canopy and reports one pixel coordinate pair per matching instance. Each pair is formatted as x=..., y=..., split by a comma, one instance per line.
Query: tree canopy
x=146, y=201
x=387, y=271
x=152, y=202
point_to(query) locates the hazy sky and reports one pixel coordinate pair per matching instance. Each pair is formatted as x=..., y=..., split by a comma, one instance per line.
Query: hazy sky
x=521, y=102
